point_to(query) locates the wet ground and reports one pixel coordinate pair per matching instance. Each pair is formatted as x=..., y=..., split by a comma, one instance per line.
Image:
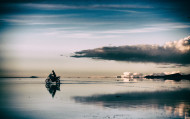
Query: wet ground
x=94, y=98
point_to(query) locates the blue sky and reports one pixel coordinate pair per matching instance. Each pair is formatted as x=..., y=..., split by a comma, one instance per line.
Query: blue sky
x=39, y=35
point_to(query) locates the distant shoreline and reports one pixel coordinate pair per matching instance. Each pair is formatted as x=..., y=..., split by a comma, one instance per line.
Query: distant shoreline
x=63, y=77
x=175, y=76
x=22, y=77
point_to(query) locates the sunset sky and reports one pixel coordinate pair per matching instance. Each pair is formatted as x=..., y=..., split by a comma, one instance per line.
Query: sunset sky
x=94, y=37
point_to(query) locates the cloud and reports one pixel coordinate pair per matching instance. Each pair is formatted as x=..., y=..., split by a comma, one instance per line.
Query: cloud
x=176, y=52
x=151, y=28
x=140, y=75
x=92, y=6
x=131, y=75
x=171, y=65
x=165, y=73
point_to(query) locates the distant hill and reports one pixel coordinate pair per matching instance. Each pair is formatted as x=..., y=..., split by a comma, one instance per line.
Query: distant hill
x=176, y=76
x=33, y=77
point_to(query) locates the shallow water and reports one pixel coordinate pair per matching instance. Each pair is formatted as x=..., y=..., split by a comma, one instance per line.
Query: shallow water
x=94, y=98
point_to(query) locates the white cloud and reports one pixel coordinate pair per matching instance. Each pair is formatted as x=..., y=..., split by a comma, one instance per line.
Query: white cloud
x=140, y=75
x=150, y=28
x=131, y=75
x=165, y=73
x=96, y=6
x=182, y=45
x=28, y=22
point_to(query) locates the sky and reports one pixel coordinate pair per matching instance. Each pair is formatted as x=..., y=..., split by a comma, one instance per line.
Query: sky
x=93, y=37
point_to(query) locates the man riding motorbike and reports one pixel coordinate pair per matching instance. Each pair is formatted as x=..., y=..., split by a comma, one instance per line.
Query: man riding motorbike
x=52, y=78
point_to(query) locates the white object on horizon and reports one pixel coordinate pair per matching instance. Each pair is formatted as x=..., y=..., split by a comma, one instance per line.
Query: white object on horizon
x=132, y=75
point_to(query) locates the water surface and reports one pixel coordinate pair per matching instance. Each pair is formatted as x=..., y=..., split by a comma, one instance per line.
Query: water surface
x=94, y=98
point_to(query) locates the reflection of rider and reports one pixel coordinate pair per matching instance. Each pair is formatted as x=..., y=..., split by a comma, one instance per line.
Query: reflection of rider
x=52, y=89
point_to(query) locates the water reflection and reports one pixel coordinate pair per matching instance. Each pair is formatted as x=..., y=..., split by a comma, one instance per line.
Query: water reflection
x=52, y=88
x=129, y=80
x=172, y=102
x=182, y=110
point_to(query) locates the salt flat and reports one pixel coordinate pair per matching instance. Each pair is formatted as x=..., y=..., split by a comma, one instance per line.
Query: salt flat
x=94, y=98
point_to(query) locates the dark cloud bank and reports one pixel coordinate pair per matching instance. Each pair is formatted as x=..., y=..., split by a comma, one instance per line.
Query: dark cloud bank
x=176, y=52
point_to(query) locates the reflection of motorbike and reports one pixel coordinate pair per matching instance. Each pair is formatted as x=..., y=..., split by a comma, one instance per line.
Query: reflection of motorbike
x=52, y=88
x=51, y=79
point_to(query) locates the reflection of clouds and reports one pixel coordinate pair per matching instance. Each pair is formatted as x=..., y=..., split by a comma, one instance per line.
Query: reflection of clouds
x=52, y=88
x=129, y=80
x=173, y=103
x=170, y=81
x=181, y=109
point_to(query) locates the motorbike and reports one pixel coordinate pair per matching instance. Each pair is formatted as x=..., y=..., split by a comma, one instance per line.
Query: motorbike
x=51, y=79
